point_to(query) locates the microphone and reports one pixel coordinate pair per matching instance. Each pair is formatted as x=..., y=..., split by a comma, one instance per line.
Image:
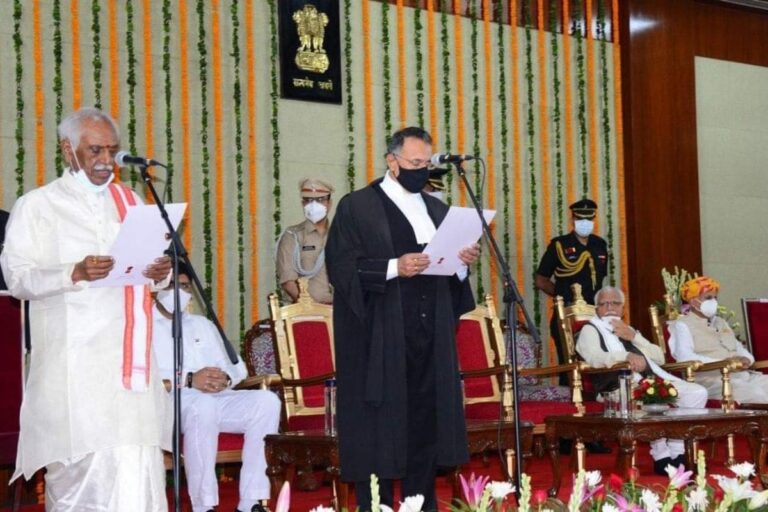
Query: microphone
x=447, y=158
x=124, y=159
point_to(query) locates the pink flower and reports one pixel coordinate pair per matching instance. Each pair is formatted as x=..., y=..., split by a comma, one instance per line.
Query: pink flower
x=678, y=477
x=624, y=506
x=539, y=497
x=473, y=488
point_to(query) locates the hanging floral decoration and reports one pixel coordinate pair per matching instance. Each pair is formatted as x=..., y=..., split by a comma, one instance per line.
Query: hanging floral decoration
x=401, y=74
x=350, y=106
x=445, y=59
x=131, y=83
x=557, y=118
x=205, y=162
x=96, y=63
x=476, y=132
x=606, y=132
x=581, y=86
x=240, y=215
x=19, y=75
x=503, y=127
x=274, y=121
x=168, y=95
x=386, y=69
x=58, y=81
x=418, y=30
x=530, y=150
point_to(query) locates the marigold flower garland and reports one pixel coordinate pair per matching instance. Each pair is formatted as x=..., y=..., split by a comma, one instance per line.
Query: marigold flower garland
x=114, y=75
x=186, y=179
x=591, y=77
x=606, y=122
x=458, y=50
x=503, y=127
x=218, y=116
x=432, y=69
x=350, y=106
x=96, y=62
x=149, y=109
x=19, y=75
x=58, y=81
x=445, y=59
x=253, y=195
x=386, y=72
x=240, y=216
x=39, y=98
x=617, y=107
x=570, y=162
x=169, y=143
x=367, y=86
x=489, y=132
x=205, y=153
x=77, y=77
x=274, y=120
x=131, y=82
x=543, y=123
x=556, y=116
x=400, y=17
x=531, y=151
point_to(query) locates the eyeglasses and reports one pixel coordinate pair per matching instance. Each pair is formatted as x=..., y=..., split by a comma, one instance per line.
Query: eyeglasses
x=321, y=200
x=186, y=286
x=416, y=164
x=611, y=303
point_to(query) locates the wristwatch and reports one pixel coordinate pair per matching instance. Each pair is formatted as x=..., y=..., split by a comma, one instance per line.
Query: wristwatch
x=189, y=379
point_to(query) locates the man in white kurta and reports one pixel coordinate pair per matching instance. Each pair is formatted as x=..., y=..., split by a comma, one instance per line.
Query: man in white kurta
x=99, y=440
x=606, y=340
x=701, y=335
x=209, y=405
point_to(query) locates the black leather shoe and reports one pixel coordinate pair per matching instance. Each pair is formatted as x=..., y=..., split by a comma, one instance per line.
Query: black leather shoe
x=659, y=466
x=597, y=447
x=259, y=508
x=680, y=459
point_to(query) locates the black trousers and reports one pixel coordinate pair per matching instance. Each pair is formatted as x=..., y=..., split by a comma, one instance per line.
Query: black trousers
x=421, y=459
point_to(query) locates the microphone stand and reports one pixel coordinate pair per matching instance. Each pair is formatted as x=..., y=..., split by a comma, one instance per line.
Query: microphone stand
x=511, y=299
x=179, y=253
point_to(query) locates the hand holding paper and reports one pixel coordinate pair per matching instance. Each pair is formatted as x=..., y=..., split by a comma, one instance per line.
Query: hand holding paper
x=459, y=231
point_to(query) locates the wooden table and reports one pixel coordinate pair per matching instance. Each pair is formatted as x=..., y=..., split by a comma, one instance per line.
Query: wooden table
x=690, y=425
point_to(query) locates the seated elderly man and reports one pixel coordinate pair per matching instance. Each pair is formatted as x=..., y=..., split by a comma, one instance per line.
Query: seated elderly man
x=606, y=340
x=209, y=405
x=701, y=335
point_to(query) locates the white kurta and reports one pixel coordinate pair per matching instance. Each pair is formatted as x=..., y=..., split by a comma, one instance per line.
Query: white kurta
x=74, y=403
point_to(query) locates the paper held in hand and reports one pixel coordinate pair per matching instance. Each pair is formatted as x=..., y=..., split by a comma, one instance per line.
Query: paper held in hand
x=460, y=228
x=143, y=237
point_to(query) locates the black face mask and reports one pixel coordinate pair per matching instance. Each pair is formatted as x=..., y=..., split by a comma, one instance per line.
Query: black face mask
x=413, y=180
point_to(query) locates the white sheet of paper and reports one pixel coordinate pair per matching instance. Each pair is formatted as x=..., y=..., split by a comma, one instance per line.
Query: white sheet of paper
x=143, y=237
x=460, y=228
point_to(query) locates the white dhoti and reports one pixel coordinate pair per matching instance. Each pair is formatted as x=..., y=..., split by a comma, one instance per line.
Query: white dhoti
x=122, y=479
x=252, y=413
x=689, y=395
x=748, y=387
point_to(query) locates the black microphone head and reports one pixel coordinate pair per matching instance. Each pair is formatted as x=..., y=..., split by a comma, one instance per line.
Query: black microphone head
x=436, y=159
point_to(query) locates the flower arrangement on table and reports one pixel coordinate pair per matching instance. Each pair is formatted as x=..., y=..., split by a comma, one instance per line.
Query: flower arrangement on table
x=655, y=390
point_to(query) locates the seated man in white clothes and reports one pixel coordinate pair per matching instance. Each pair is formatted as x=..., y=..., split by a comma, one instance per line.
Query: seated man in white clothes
x=703, y=336
x=606, y=340
x=209, y=405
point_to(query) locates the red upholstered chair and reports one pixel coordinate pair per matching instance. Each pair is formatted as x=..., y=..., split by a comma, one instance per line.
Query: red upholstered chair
x=756, y=323
x=11, y=379
x=303, y=334
x=488, y=396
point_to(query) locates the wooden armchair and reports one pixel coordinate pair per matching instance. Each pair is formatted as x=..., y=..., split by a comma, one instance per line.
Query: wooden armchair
x=303, y=334
x=488, y=391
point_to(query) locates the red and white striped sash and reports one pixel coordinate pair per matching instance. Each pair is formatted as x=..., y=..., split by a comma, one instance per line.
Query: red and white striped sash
x=137, y=333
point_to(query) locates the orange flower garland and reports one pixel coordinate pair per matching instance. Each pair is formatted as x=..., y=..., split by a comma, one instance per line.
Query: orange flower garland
x=148, y=120
x=570, y=162
x=253, y=196
x=489, y=141
x=221, y=273
x=619, y=125
x=401, y=63
x=367, y=85
x=114, y=78
x=77, y=94
x=431, y=69
x=39, y=99
x=541, y=47
x=186, y=178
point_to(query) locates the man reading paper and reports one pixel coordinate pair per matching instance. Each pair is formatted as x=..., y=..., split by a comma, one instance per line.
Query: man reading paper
x=400, y=409
x=93, y=413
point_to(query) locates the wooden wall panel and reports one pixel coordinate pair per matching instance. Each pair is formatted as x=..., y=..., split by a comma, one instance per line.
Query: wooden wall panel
x=662, y=39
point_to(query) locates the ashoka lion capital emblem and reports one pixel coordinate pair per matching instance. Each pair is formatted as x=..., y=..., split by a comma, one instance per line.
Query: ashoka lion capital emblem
x=310, y=24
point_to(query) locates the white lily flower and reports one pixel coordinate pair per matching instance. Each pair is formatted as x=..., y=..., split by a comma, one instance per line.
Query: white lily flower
x=607, y=507
x=758, y=500
x=698, y=499
x=412, y=504
x=383, y=508
x=734, y=488
x=651, y=500
x=326, y=509
x=500, y=490
x=593, y=478
x=743, y=470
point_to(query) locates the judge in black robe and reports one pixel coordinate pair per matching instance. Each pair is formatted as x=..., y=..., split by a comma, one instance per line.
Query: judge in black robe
x=400, y=407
